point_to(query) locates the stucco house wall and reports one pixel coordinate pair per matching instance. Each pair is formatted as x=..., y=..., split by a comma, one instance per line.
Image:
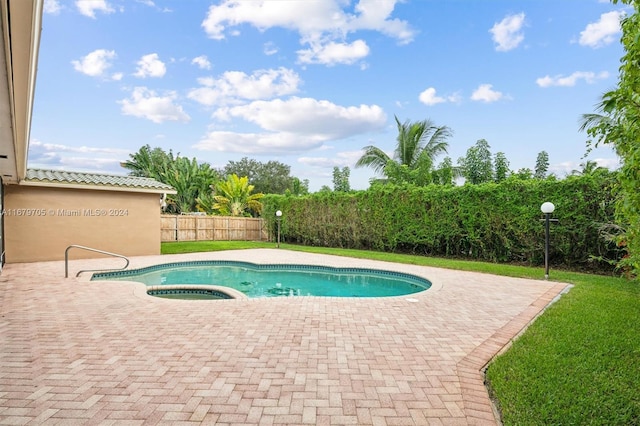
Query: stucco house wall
x=40, y=222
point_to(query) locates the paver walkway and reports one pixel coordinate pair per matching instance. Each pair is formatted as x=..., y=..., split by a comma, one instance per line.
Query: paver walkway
x=80, y=352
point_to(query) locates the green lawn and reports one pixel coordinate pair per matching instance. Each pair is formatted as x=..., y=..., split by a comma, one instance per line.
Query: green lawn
x=578, y=364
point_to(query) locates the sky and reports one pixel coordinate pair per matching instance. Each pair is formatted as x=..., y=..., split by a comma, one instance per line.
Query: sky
x=311, y=83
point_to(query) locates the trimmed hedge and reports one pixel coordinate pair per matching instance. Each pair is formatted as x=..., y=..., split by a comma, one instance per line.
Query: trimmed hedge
x=499, y=222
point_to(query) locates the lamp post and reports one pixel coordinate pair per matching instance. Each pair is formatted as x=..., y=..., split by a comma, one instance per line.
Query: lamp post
x=547, y=208
x=278, y=218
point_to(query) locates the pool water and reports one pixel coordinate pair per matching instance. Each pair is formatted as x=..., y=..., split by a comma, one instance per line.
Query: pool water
x=277, y=280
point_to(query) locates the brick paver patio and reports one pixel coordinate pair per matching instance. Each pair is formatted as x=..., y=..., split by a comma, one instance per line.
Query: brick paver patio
x=79, y=352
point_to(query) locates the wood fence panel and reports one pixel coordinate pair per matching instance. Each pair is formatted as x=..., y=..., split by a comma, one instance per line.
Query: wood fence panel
x=187, y=230
x=168, y=227
x=211, y=228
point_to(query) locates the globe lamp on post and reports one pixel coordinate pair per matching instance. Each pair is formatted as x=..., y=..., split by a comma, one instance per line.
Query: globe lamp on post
x=278, y=218
x=547, y=208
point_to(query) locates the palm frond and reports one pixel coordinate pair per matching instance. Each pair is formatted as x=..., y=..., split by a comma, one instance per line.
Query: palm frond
x=374, y=158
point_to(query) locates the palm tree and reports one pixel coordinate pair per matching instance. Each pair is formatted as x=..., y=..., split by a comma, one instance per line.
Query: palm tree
x=234, y=197
x=149, y=162
x=589, y=167
x=601, y=125
x=418, y=145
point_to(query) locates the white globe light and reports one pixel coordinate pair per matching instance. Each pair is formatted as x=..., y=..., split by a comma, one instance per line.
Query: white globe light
x=278, y=213
x=547, y=208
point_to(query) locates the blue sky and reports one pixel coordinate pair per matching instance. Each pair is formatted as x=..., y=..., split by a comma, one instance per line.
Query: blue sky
x=310, y=83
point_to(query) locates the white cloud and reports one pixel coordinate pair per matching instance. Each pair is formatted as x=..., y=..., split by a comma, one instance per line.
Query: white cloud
x=429, y=97
x=95, y=63
x=295, y=125
x=485, y=93
x=58, y=156
x=202, y=61
x=571, y=80
x=52, y=7
x=609, y=163
x=89, y=7
x=334, y=53
x=145, y=103
x=270, y=48
x=307, y=116
x=507, y=34
x=150, y=66
x=341, y=159
x=256, y=143
x=602, y=32
x=324, y=29
x=234, y=85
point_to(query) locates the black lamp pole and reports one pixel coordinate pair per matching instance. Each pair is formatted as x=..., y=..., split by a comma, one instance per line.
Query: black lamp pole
x=278, y=218
x=547, y=216
x=547, y=208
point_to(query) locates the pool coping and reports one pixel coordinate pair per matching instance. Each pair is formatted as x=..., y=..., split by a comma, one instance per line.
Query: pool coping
x=269, y=266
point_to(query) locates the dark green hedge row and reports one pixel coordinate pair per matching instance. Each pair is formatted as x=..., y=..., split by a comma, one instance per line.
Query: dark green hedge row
x=491, y=222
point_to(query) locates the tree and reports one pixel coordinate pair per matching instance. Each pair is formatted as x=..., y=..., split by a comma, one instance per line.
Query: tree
x=149, y=162
x=589, y=167
x=476, y=165
x=501, y=166
x=341, y=179
x=299, y=187
x=188, y=178
x=524, y=173
x=618, y=124
x=272, y=177
x=418, y=145
x=446, y=173
x=542, y=165
x=235, y=197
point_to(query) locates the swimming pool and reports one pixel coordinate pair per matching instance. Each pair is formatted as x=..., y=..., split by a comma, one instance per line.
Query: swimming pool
x=279, y=280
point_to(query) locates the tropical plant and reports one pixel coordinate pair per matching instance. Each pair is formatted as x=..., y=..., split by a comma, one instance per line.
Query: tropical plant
x=186, y=176
x=418, y=145
x=589, y=167
x=234, y=197
x=189, y=179
x=619, y=126
x=149, y=162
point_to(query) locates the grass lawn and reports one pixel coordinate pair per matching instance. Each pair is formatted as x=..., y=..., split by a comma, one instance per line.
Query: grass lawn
x=578, y=364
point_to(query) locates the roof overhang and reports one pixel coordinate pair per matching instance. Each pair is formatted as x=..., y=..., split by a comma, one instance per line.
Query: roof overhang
x=21, y=22
x=63, y=185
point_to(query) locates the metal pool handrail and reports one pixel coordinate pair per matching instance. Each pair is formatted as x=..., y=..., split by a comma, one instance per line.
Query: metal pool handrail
x=66, y=260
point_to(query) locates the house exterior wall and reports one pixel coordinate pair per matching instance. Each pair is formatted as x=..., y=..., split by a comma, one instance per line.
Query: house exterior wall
x=41, y=222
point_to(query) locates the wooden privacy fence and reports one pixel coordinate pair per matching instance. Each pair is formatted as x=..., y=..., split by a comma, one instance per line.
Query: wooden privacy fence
x=212, y=228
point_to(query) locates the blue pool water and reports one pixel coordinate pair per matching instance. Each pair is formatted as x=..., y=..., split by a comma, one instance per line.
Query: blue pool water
x=277, y=280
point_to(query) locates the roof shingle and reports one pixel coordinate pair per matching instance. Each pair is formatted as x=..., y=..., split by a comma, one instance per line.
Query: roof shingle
x=96, y=179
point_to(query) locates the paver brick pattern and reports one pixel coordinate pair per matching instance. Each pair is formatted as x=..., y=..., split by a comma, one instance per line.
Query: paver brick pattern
x=75, y=351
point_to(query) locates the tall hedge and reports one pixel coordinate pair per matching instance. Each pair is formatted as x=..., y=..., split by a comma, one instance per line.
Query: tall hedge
x=492, y=222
